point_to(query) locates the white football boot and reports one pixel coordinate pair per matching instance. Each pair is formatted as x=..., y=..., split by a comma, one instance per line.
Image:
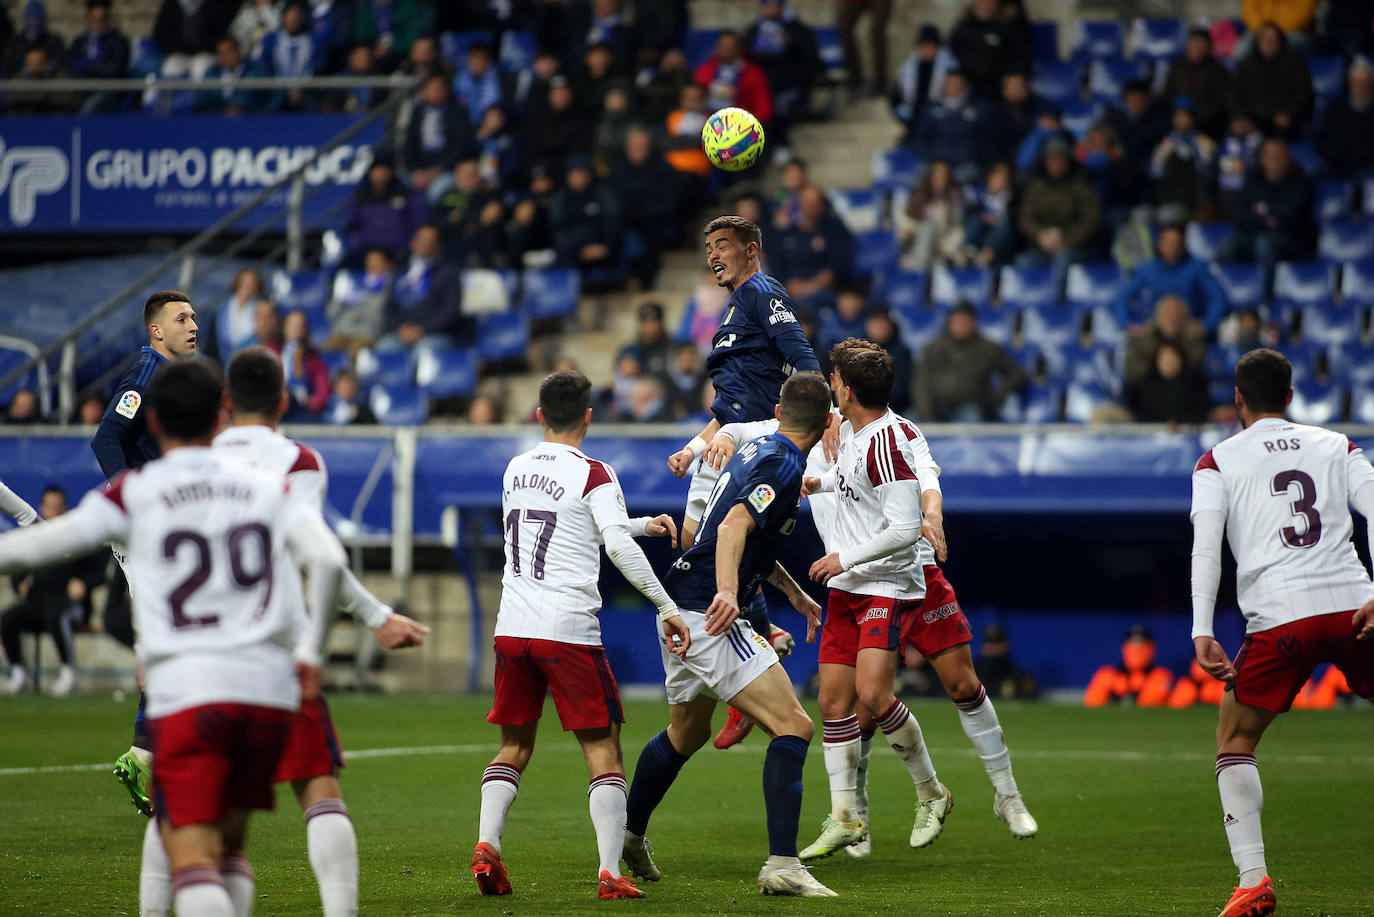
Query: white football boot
x=1012, y=810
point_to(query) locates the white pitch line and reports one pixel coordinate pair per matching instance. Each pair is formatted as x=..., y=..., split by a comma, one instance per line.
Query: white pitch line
x=1074, y=754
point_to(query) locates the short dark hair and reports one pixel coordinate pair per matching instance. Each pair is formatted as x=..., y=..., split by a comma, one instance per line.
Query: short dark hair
x=255, y=382
x=840, y=350
x=186, y=397
x=869, y=374
x=804, y=402
x=53, y=489
x=564, y=397
x=154, y=306
x=745, y=231
x=1264, y=378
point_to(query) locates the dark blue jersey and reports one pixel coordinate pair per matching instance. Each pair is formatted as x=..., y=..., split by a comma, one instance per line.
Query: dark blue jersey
x=123, y=439
x=765, y=475
x=758, y=345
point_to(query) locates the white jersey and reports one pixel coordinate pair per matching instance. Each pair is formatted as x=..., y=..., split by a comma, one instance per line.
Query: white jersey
x=556, y=504
x=877, y=481
x=301, y=465
x=1284, y=490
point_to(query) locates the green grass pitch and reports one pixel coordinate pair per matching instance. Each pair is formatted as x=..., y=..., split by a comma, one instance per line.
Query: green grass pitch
x=1126, y=800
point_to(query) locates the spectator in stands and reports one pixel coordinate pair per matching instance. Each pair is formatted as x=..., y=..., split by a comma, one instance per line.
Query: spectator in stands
x=613, y=124
x=39, y=68
x=1274, y=84
x=230, y=99
x=33, y=33
x=1289, y=15
x=1181, y=166
x=1345, y=136
x=880, y=328
x=439, y=135
x=266, y=325
x=1204, y=80
x=955, y=129
x=477, y=85
x=962, y=376
x=234, y=324
x=1018, y=112
x=1049, y=124
x=1060, y=213
x=484, y=411
x=385, y=212
x=1140, y=123
x=730, y=79
x=847, y=15
x=423, y=61
x=307, y=377
x=470, y=218
x=1173, y=325
x=682, y=381
x=683, y=135
x=650, y=349
x=23, y=408
x=988, y=47
x=586, y=219
x=846, y=320
x=920, y=80
x=1172, y=273
x=813, y=256
x=1236, y=160
x=426, y=307
x=100, y=52
x=647, y=403
x=931, y=226
x=331, y=22
x=53, y=600
x=608, y=28
x=785, y=47
x=989, y=229
x=390, y=27
x=357, y=309
x=1275, y=221
x=650, y=202
x=561, y=131
x=1003, y=678
x=784, y=209
x=598, y=77
x=347, y=405
x=1172, y=392
x=701, y=317
x=660, y=89
x=89, y=412
x=189, y=33
x=290, y=52
x=360, y=99
x=528, y=233
x=254, y=22
x=500, y=155
x=1112, y=176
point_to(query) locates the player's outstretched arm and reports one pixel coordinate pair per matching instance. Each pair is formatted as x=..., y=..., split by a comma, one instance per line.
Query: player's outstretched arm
x=629, y=559
x=313, y=546
x=13, y=505
x=682, y=459
x=391, y=630
x=654, y=527
x=797, y=596
x=731, y=534
x=84, y=529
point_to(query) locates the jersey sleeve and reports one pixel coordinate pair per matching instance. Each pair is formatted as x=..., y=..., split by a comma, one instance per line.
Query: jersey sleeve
x=309, y=480
x=1358, y=471
x=891, y=473
x=773, y=311
x=99, y=518
x=116, y=426
x=1209, y=489
x=605, y=498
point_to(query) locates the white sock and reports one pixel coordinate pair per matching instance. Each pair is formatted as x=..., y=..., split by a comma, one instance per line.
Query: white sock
x=904, y=735
x=861, y=773
x=606, y=797
x=237, y=873
x=500, y=783
x=154, y=875
x=841, y=751
x=333, y=847
x=198, y=891
x=979, y=719
x=779, y=862
x=1242, y=801
x=144, y=756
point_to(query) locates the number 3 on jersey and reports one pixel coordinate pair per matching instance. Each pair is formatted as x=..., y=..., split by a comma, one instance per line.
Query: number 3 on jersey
x=546, y=521
x=1305, y=506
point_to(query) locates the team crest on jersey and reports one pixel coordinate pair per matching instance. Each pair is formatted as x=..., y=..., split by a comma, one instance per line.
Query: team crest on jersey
x=128, y=404
x=780, y=313
x=761, y=497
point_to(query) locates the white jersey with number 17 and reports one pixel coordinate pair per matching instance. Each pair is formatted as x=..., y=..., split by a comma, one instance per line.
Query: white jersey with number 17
x=1284, y=490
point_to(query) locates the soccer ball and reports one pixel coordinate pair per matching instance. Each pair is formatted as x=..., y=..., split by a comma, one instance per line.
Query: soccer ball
x=732, y=139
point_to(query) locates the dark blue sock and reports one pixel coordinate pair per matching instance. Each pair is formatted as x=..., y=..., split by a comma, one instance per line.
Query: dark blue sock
x=141, y=739
x=782, y=792
x=658, y=767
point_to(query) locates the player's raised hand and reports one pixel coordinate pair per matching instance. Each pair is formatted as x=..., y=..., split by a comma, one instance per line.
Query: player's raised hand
x=830, y=442
x=662, y=525
x=400, y=631
x=680, y=461
x=828, y=566
x=678, y=636
x=933, y=531
x=311, y=677
x=810, y=485
x=1364, y=621
x=722, y=613
x=1213, y=659
x=719, y=452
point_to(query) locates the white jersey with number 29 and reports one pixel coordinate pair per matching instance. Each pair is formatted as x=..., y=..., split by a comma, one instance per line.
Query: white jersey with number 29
x=1284, y=490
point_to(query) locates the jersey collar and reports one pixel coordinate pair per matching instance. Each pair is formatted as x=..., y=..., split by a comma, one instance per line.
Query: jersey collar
x=789, y=444
x=154, y=354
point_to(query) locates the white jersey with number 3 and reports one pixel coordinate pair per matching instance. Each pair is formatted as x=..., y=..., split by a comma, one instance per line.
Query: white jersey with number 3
x=1284, y=490
x=555, y=504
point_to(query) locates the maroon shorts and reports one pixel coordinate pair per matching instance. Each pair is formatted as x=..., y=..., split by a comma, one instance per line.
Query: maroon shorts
x=856, y=622
x=584, y=690
x=312, y=748
x=212, y=759
x=1273, y=665
x=940, y=623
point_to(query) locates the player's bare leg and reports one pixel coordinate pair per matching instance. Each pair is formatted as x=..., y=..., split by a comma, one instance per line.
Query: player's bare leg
x=840, y=744
x=234, y=865
x=1239, y=729
x=606, y=799
x=689, y=728
x=500, y=783
x=954, y=667
x=195, y=853
x=331, y=843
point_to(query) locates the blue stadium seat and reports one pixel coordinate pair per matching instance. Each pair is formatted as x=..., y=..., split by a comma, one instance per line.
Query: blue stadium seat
x=895, y=170
x=1031, y=357
x=860, y=209
x=996, y=323
x=949, y=285
x=1108, y=76
x=1329, y=323
x=1219, y=365
x=1357, y=282
x=398, y=406
x=1057, y=81
x=335, y=360
x=393, y=368
x=919, y=324
x=1362, y=405
x=1328, y=76
x=1103, y=323
x=146, y=59
x=453, y=46
x=517, y=51
x=1051, y=326
x=1242, y=283
x=1079, y=116
x=875, y=251
x=550, y=293
x=1083, y=362
x=1026, y=287
x=701, y=44
x=1095, y=40
x=1203, y=239
x=1352, y=362
x=1331, y=199
x=1302, y=282
x=1158, y=39
x=1346, y=240
x=447, y=373
x=1082, y=399
x=11, y=360
x=503, y=337
x=1316, y=402
x=1303, y=359
x=829, y=48
x=1038, y=403
x=1092, y=285
x=1305, y=155
x=307, y=291
x=902, y=289
x=1044, y=40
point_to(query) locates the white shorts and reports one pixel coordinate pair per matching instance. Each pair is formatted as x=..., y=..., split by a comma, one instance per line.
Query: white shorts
x=699, y=489
x=722, y=666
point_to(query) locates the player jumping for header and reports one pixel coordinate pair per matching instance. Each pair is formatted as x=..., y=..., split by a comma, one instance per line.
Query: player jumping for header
x=1282, y=493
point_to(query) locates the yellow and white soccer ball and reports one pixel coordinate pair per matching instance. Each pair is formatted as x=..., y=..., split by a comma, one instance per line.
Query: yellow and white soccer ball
x=732, y=139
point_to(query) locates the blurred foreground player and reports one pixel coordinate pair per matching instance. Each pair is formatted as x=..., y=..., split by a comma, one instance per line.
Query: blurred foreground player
x=214, y=547
x=752, y=510
x=124, y=441
x=1282, y=492
x=559, y=507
